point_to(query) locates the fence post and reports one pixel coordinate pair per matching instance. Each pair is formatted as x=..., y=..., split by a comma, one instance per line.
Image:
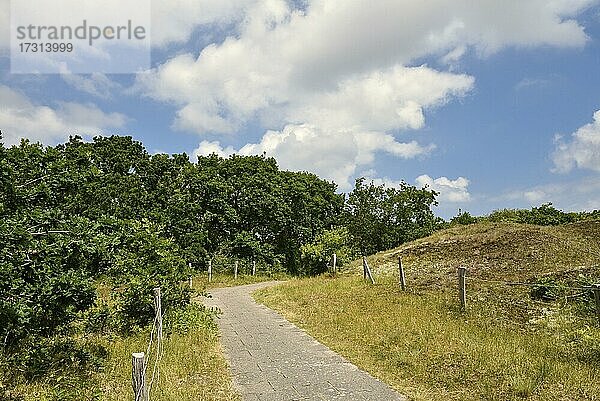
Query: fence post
x=138, y=368
x=253, y=267
x=368, y=270
x=190, y=278
x=334, y=267
x=401, y=272
x=210, y=270
x=364, y=267
x=235, y=270
x=159, y=322
x=596, y=290
x=462, y=287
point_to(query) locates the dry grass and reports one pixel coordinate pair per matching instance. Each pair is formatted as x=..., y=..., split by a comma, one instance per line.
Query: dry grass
x=506, y=346
x=200, y=283
x=193, y=368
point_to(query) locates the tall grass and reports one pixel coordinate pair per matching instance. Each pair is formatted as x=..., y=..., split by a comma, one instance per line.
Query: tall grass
x=191, y=369
x=425, y=347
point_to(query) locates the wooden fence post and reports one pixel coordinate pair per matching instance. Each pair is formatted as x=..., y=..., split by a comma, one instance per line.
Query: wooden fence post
x=138, y=368
x=401, y=272
x=209, y=271
x=462, y=287
x=334, y=262
x=235, y=270
x=364, y=267
x=596, y=290
x=253, y=267
x=159, y=322
x=368, y=270
x=190, y=278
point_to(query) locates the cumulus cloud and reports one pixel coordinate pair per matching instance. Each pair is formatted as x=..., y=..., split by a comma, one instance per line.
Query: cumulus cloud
x=455, y=191
x=207, y=148
x=450, y=191
x=334, y=155
x=325, y=73
x=176, y=20
x=581, y=151
x=21, y=118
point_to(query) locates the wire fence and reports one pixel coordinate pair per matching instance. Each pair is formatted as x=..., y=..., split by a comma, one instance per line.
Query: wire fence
x=576, y=291
x=154, y=350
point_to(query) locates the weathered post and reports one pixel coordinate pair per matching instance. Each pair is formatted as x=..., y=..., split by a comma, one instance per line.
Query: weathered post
x=158, y=310
x=334, y=264
x=138, y=368
x=253, y=267
x=368, y=270
x=596, y=290
x=462, y=287
x=364, y=267
x=401, y=272
x=209, y=271
x=190, y=278
x=235, y=270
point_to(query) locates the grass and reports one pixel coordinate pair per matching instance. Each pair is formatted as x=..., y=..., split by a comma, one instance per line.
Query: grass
x=192, y=368
x=506, y=346
x=200, y=283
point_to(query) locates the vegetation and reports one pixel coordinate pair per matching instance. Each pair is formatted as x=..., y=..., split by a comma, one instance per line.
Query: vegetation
x=90, y=228
x=380, y=218
x=544, y=215
x=537, y=341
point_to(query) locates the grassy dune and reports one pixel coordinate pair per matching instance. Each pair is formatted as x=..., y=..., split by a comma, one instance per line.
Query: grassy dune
x=507, y=345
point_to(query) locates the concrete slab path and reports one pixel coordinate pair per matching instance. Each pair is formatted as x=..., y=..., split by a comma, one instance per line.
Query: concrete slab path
x=273, y=360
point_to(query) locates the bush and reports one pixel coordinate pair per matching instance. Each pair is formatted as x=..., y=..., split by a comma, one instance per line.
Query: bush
x=463, y=218
x=193, y=316
x=317, y=255
x=544, y=215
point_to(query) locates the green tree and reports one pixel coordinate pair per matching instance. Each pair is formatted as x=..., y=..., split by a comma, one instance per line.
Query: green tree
x=381, y=218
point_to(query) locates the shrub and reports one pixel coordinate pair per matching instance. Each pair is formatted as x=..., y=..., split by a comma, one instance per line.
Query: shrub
x=317, y=255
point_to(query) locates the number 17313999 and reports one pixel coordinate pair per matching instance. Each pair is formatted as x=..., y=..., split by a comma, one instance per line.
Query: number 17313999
x=45, y=47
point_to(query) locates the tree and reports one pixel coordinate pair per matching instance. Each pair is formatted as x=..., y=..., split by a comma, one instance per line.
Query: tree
x=380, y=218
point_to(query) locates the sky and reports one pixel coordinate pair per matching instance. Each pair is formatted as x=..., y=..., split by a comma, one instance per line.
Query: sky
x=493, y=104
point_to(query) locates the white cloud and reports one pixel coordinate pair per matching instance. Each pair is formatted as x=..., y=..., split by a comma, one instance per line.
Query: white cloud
x=527, y=83
x=95, y=84
x=450, y=192
x=207, y=148
x=340, y=72
x=287, y=59
x=455, y=191
x=334, y=155
x=572, y=195
x=21, y=118
x=175, y=20
x=171, y=20
x=582, y=151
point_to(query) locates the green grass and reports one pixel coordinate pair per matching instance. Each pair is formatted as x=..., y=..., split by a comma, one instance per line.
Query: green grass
x=192, y=368
x=200, y=282
x=506, y=346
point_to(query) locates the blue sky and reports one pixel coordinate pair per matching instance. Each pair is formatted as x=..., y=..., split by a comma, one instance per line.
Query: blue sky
x=492, y=104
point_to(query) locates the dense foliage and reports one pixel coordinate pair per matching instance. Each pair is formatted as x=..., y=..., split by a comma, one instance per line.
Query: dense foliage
x=382, y=218
x=90, y=228
x=543, y=215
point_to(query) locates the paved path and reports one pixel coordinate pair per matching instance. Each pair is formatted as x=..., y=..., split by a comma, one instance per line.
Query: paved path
x=272, y=359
